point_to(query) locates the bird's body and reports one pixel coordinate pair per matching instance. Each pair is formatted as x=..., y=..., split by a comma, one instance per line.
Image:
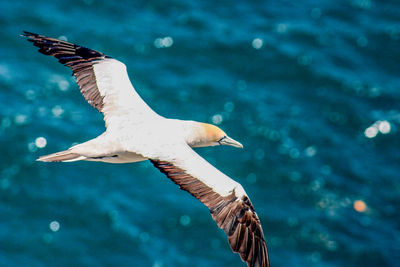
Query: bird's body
x=115, y=144
x=134, y=132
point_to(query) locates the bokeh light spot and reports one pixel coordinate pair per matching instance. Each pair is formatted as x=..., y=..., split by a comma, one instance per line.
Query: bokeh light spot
x=164, y=42
x=158, y=263
x=257, y=43
x=360, y=206
x=311, y=151
x=20, y=119
x=371, y=132
x=32, y=147
x=184, y=220
x=54, y=226
x=384, y=127
x=57, y=111
x=217, y=119
x=41, y=142
x=30, y=94
x=229, y=106
x=281, y=28
x=63, y=38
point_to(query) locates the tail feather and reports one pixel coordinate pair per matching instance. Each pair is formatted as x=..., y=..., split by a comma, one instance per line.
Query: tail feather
x=63, y=156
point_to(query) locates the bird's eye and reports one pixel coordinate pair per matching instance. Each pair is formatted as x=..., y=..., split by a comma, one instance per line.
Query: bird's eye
x=222, y=138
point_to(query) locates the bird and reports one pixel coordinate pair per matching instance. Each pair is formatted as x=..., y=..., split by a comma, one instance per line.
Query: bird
x=134, y=132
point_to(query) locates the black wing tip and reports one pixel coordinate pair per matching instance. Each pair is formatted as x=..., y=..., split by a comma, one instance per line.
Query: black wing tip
x=245, y=227
x=55, y=47
x=259, y=258
x=26, y=33
x=29, y=35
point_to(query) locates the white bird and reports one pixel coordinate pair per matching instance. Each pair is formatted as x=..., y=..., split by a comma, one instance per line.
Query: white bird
x=134, y=132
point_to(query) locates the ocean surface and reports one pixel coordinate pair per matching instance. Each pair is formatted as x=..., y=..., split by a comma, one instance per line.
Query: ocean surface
x=311, y=89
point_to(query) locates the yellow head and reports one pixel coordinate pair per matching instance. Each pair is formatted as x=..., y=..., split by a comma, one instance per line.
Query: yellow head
x=205, y=134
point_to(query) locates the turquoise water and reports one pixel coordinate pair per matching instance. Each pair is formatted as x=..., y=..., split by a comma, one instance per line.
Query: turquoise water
x=310, y=88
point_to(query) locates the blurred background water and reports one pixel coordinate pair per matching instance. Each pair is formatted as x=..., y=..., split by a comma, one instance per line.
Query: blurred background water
x=311, y=88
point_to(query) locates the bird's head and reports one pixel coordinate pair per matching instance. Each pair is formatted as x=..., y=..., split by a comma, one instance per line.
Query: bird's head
x=206, y=134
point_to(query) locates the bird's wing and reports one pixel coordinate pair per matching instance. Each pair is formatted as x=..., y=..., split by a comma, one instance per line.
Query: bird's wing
x=229, y=204
x=103, y=81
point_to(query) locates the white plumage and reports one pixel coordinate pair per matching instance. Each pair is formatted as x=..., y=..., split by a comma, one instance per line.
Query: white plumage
x=134, y=132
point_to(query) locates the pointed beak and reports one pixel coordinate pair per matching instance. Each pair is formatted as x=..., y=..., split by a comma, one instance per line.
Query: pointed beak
x=227, y=141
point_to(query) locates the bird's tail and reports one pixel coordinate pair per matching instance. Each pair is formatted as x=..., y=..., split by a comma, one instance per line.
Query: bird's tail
x=63, y=156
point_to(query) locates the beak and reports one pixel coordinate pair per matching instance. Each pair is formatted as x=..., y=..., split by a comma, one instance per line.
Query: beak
x=227, y=141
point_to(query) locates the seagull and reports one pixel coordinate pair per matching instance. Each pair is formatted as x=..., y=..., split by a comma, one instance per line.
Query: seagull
x=134, y=132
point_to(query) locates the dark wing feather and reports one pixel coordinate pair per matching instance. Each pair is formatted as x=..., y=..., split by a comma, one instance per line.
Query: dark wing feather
x=80, y=59
x=236, y=216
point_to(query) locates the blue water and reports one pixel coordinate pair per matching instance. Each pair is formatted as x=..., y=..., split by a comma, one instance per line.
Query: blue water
x=311, y=88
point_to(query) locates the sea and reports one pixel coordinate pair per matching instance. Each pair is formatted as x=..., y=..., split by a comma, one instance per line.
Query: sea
x=310, y=88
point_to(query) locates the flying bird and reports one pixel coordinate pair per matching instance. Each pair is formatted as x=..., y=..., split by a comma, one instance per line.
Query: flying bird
x=134, y=132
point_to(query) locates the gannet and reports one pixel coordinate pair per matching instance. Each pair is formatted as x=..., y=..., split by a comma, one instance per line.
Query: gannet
x=134, y=132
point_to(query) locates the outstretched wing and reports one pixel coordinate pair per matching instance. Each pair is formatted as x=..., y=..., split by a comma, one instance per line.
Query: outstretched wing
x=103, y=81
x=229, y=204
